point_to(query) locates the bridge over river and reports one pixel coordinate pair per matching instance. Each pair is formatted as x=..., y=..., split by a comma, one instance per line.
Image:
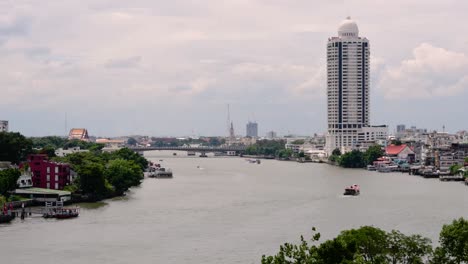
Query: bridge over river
x=229, y=149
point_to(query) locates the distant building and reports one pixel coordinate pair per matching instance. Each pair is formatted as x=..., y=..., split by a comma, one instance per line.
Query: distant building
x=252, y=129
x=3, y=126
x=60, y=152
x=78, y=133
x=271, y=135
x=400, y=128
x=48, y=174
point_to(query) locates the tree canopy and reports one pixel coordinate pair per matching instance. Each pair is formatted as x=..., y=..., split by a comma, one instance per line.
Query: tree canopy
x=365, y=245
x=14, y=147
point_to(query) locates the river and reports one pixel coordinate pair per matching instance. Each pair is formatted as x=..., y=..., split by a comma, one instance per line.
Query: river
x=232, y=211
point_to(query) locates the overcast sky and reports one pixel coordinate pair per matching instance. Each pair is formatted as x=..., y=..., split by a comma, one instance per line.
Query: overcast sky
x=119, y=67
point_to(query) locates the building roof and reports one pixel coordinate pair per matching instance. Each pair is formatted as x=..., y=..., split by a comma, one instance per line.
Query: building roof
x=78, y=133
x=41, y=191
x=395, y=149
x=348, y=28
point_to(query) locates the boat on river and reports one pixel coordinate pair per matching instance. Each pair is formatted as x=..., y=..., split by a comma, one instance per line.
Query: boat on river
x=62, y=213
x=161, y=173
x=352, y=190
x=6, y=218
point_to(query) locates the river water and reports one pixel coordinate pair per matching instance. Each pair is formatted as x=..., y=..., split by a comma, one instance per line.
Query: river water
x=231, y=211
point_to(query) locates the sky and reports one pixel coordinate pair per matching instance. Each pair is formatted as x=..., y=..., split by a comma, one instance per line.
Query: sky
x=170, y=68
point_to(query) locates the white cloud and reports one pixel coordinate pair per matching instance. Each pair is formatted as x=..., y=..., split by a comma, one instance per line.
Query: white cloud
x=432, y=71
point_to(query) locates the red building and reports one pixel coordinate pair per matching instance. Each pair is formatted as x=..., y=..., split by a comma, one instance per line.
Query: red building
x=48, y=174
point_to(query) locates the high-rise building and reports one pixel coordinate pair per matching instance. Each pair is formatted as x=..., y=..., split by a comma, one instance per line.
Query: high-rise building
x=271, y=135
x=348, y=90
x=252, y=129
x=3, y=126
x=400, y=128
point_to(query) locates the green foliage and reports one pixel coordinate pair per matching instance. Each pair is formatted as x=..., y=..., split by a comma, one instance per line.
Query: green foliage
x=453, y=241
x=454, y=168
x=284, y=154
x=123, y=174
x=407, y=249
x=91, y=178
x=131, y=141
x=301, y=154
x=104, y=173
x=128, y=154
x=61, y=142
x=369, y=242
x=365, y=245
x=298, y=142
x=14, y=147
x=466, y=159
x=48, y=150
x=51, y=141
x=266, y=147
x=353, y=159
x=372, y=154
x=336, y=152
x=396, y=142
x=334, y=158
x=8, y=179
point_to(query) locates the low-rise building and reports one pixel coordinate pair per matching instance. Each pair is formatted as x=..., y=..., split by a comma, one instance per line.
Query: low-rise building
x=400, y=152
x=48, y=174
x=60, y=152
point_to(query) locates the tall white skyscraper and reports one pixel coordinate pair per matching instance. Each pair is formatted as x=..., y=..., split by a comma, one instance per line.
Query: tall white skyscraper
x=348, y=90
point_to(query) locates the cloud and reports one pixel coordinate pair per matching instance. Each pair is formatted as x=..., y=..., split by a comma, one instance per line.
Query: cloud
x=130, y=62
x=432, y=71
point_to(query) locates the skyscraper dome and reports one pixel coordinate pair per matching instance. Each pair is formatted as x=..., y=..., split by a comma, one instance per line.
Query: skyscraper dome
x=348, y=28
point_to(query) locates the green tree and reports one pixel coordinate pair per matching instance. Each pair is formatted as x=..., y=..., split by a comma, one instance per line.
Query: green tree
x=8, y=179
x=407, y=249
x=372, y=154
x=123, y=174
x=290, y=253
x=128, y=154
x=370, y=243
x=48, y=150
x=132, y=142
x=91, y=179
x=353, y=159
x=336, y=152
x=454, y=169
x=14, y=147
x=298, y=142
x=453, y=240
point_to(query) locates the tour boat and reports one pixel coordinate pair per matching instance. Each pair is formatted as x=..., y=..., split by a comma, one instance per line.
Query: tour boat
x=352, y=190
x=161, y=173
x=66, y=213
x=62, y=213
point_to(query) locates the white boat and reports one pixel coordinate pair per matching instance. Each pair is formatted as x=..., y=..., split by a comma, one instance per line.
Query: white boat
x=161, y=173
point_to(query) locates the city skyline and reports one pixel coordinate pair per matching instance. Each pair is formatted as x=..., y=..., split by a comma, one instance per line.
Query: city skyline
x=158, y=68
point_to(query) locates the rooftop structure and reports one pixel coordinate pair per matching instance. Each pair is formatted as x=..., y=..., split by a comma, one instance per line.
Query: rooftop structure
x=78, y=133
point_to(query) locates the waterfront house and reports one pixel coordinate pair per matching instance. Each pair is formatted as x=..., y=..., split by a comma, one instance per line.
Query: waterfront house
x=48, y=174
x=400, y=152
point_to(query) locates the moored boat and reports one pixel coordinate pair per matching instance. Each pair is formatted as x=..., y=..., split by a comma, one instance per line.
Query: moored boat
x=161, y=173
x=6, y=218
x=352, y=190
